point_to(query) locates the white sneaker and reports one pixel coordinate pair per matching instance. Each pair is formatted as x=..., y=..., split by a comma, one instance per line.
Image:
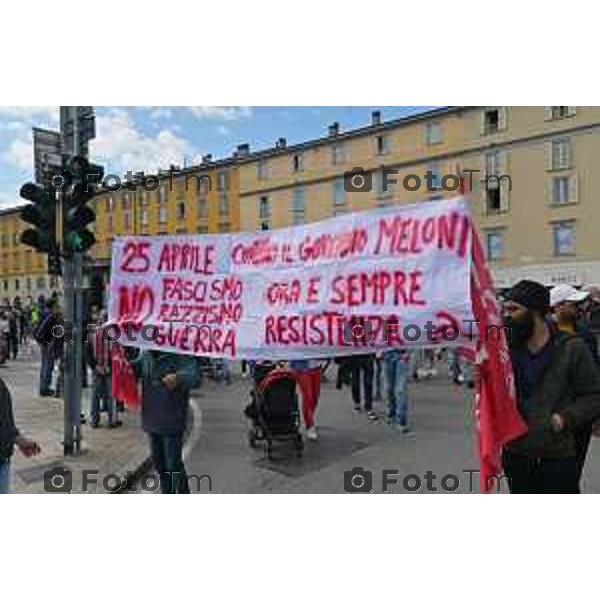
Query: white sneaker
x=311, y=434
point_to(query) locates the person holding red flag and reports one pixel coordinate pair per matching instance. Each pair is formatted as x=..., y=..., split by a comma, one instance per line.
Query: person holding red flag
x=558, y=391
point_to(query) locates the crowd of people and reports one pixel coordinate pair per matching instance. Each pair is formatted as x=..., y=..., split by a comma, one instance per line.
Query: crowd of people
x=552, y=338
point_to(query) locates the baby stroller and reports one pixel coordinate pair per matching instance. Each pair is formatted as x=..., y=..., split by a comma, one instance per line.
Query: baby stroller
x=274, y=410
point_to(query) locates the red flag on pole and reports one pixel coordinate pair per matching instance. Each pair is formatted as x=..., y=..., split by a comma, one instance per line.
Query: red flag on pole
x=498, y=418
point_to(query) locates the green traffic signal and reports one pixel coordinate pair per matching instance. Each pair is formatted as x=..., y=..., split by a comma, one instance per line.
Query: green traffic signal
x=76, y=214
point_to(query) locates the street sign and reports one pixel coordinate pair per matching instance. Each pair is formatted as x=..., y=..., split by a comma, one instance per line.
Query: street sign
x=47, y=152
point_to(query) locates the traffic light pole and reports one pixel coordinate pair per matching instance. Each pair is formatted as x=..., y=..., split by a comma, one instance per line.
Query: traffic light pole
x=73, y=283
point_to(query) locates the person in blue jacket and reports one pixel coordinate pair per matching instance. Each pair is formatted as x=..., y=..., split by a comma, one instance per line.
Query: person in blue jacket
x=167, y=379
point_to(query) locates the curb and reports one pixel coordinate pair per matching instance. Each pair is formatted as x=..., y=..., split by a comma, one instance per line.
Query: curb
x=191, y=435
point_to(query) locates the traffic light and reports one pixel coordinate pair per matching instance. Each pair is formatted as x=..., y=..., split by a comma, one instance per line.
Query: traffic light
x=84, y=178
x=42, y=215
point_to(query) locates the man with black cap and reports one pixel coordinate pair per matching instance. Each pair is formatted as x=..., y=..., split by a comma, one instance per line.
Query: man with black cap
x=558, y=391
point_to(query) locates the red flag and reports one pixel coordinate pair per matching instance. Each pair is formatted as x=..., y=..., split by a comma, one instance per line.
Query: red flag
x=498, y=418
x=124, y=382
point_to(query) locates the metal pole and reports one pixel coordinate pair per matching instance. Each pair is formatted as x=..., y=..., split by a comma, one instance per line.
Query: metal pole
x=73, y=283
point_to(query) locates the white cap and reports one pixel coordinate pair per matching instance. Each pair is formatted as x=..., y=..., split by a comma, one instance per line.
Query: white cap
x=566, y=293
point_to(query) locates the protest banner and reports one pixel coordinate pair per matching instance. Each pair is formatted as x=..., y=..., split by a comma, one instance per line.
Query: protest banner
x=402, y=276
x=352, y=284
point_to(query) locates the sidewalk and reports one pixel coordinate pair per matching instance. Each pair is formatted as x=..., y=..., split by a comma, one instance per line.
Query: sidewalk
x=108, y=451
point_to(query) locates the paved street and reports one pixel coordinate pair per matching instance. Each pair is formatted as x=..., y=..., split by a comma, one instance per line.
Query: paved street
x=442, y=442
x=110, y=451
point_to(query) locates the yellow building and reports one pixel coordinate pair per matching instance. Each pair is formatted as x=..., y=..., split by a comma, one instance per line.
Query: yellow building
x=23, y=272
x=202, y=199
x=533, y=197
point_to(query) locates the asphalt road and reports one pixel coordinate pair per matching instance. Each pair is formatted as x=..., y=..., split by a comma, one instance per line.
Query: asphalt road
x=443, y=441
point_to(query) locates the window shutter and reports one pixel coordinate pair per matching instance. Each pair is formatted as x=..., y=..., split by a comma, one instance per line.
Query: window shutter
x=502, y=117
x=568, y=153
x=504, y=196
x=548, y=113
x=483, y=109
x=574, y=188
x=549, y=164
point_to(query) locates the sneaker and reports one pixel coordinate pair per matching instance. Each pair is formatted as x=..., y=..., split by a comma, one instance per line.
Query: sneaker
x=311, y=434
x=372, y=416
x=403, y=429
x=357, y=408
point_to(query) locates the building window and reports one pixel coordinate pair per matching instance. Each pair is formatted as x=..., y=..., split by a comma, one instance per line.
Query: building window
x=495, y=244
x=337, y=154
x=435, y=180
x=299, y=207
x=297, y=161
x=162, y=215
x=144, y=216
x=264, y=208
x=561, y=154
x=125, y=201
x=17, y=285
x=202, y=208
x=4, y=240
x=127, y=221
x=109, y=203
x=223, y=205
x=382, y=144
x=264, y=226
x=561, y=190
x=262, y=170
x=433, y=133
x=223, y=180
x=202, y=229
x=181, y=211
x=111, y=223
x=224, y=227
x=559, y=112
x=41, y=283
x=340, y=198
x=564, y=238
x=493, y=199
x=162, y=193
x=492, y=121
x=492, y=162
x=203, y=187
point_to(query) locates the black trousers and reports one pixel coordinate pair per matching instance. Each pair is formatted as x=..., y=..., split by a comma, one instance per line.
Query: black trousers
x=583, y=436
x=528, y=475
x=362, y=368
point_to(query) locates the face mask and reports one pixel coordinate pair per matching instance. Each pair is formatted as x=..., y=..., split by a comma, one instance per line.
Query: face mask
x=520, y=330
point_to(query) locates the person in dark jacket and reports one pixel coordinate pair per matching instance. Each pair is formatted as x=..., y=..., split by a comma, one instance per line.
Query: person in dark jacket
x=167, y=379
x=9, y=438
x=558, y=391
x=46, y=339
x=565, y=302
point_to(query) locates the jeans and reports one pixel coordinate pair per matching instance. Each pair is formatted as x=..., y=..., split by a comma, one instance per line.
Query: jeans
x=378, y=378
x=528, y=475
x=222, y=371
x=362, y=366
x=46, y=370
x=101, y=391
x=396, y=371
x=4, y=476
x=167, y=454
